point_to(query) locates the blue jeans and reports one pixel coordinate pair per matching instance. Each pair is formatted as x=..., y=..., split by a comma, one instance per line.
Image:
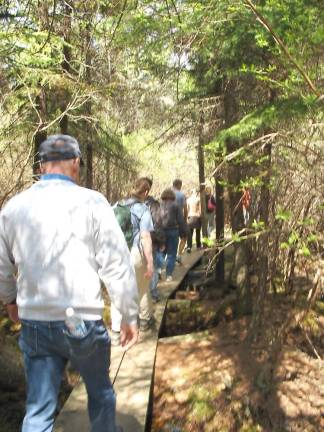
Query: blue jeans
x=171, y=247
x=158, y=261
x=46, y=348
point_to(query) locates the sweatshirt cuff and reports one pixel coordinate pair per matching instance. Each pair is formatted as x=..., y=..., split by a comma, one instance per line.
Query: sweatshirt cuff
x=131, y=320
x=9, y=297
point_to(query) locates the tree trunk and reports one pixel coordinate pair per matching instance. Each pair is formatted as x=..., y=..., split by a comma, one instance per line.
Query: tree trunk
x=201, y=168
x=256, y=324
x=66, y=61
x=219, y=194
x=40, y=134
x=108, y=178
x=239, y=275
x=88, y=129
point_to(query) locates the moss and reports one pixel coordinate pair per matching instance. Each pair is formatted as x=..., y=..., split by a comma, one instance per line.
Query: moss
x=310, y=323
x=202, y=411
x=202, y=403
x=319, y=307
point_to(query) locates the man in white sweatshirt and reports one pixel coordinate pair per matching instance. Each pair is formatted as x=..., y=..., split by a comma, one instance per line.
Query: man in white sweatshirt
x=57, y=242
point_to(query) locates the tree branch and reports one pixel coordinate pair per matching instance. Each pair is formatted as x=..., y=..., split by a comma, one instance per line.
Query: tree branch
x=269, y=28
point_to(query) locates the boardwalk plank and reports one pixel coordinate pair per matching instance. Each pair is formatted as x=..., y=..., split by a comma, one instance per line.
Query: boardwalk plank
x=133, y=382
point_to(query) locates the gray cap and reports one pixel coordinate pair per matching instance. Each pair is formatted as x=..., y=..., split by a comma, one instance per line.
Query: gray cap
x=59, y=147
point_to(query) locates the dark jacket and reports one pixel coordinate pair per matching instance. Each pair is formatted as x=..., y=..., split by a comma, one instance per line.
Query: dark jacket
x=172, y=217
x=158, y=235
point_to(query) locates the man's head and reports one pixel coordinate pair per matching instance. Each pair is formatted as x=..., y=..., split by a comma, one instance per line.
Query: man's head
x=168, y=195
x=148, y=179
x=141, y=188
x=177, y=184
x=58, y=148
x=60, y=154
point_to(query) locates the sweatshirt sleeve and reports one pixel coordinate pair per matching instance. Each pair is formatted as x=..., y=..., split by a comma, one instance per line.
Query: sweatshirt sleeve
x=113, y=258
x=8, y=288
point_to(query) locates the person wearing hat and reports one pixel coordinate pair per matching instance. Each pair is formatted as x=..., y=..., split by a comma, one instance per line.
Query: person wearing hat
x=57, y=242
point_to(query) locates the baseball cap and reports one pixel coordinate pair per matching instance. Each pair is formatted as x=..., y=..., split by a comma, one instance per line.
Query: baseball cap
x=59, y=147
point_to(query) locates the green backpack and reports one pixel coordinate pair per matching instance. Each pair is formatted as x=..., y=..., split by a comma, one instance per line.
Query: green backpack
x=124, y=217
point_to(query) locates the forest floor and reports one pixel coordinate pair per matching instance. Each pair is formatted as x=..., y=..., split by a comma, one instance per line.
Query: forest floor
x=213, y=381
x=210, y=381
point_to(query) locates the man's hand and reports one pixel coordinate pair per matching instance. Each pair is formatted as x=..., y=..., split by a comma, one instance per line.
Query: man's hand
x=12, y=310
x=128, y=335
x=146, y=240
x=149, y=272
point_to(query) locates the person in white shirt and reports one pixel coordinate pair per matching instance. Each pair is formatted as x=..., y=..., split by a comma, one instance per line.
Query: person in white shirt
x=194, y=219
x=58, y=241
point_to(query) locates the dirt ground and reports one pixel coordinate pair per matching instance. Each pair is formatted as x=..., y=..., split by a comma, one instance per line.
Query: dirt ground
x=212, y=381
x=209, y=381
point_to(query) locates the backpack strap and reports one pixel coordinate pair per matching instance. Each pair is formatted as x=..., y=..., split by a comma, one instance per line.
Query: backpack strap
x=130, y=203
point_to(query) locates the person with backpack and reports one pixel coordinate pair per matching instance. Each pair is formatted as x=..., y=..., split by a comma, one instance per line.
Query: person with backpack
x=158, y=243
x=141, y=257
x=174, y=227
x=62, y=240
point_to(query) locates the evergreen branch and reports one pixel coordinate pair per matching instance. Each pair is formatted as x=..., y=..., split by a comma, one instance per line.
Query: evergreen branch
x=277, y=39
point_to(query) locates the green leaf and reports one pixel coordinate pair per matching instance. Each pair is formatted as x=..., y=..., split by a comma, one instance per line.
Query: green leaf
x=284, y=245
x=304, y=251
x=293, y=238
x=283, y=215
x=236, y=238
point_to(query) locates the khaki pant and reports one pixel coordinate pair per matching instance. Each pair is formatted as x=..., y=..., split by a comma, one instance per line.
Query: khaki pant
x=143, y=285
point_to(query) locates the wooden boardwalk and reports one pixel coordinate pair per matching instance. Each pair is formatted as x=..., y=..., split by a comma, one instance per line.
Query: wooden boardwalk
x=134, y=378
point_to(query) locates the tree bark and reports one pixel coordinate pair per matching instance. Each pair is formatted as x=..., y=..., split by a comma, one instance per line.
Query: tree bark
x=219, y=194
x=201, y=168
x=263, y=270
x=66, y=60
x=108, y=177
x=88, y=130
x=40, y=134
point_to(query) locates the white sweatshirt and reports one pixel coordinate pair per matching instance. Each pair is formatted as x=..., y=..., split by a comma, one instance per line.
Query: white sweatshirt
x=57, y=240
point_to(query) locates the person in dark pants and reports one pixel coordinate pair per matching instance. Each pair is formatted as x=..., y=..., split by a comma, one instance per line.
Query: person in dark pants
x=194, y=219
x=62, y=240
x=174, y=227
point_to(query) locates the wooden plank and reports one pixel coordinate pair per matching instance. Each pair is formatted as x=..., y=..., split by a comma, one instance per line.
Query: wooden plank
x=133, y=382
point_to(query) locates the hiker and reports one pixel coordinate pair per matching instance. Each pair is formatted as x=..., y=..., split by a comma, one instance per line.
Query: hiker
x=158, y=243
x=210, y=210
x=174, y=227
x=62, y=240
x=142, y=258
x=194, y=219
x=182, y=203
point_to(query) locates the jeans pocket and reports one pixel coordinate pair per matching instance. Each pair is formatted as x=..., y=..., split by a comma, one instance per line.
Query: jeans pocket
x=83, y=347
x=28, y=339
